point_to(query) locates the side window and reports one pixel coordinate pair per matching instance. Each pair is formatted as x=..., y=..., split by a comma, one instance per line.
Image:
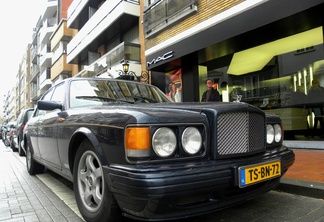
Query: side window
x=46, y=96
x=54, y=94
x=58, y=95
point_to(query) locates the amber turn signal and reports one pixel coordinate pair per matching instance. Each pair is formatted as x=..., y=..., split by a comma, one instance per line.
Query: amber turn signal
x=138, y=138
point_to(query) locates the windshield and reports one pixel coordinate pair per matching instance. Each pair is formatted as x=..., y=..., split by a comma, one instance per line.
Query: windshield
x=103, y=92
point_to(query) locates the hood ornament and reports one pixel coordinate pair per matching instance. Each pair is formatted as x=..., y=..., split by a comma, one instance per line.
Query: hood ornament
x=238, y=99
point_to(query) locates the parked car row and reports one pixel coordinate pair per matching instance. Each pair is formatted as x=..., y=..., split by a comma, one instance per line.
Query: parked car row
x=12, y=133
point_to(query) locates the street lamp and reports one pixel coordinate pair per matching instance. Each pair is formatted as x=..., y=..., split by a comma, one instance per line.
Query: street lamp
x=126, y=74
x=125, y=67
x=130, y=75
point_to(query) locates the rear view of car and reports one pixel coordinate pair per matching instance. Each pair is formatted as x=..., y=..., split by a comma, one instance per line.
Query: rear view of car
x=23, y=118
x=7, y=133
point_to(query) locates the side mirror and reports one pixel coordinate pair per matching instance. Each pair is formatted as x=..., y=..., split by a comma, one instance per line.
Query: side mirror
x=48, y=105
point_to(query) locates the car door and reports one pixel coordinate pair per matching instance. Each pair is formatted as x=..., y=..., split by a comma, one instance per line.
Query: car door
x=33, y=131
x=48, y=130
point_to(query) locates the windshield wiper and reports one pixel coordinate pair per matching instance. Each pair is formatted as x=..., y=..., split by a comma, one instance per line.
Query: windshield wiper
x=102, y=98
x=143, y=98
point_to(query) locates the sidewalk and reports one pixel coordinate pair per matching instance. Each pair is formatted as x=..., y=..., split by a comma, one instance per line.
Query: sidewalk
x=25, y=198
x=306, y=176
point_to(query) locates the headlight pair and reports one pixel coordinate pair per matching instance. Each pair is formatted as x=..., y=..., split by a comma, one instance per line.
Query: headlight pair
x=164, y=141
x=274, y=133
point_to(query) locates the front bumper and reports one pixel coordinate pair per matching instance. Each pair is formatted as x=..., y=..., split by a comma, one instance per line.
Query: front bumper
x=164, y=192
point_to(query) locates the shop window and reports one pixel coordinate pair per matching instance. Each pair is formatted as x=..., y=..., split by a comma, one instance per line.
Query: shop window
x=278, y=77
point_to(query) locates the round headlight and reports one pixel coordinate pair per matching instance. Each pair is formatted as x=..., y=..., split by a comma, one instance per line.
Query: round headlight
x=270, y=133
x=164, y=142
x=191, y=140
x=277, y=133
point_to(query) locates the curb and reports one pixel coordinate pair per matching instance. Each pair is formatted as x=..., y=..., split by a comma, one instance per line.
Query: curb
x=302, y=187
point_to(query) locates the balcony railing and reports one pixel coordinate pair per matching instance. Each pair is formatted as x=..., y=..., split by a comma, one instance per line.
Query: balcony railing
x=33, y=55
x=44, y=76
x=165, y=12
x=34, y=71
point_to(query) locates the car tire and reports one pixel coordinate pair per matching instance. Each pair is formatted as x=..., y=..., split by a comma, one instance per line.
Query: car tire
x=33, y=167
x=21, y=152
x=7, y=143
x=12, y=146
x=93, y=197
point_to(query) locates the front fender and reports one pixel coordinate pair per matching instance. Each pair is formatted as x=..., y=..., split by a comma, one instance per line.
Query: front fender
x=77, y=137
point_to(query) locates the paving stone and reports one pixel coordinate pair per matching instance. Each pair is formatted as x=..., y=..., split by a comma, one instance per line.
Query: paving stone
x=25, y=198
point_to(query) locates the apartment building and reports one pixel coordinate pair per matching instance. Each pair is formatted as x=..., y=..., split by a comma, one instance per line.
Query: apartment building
x=9, y=106
x=108, y=38
x=41, y=55
x=48, y=48
x=265, y=53
x=22, y=87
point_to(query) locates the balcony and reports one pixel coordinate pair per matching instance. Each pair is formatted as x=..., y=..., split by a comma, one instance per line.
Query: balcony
x=123, y=52
x=162, y=14
x=33, y=55
x=112, y=18
x=34, y=72
x=33, y=94
x=44, y=81
x=51, y=8
x=46, y=57
x=62, y=34
x=76, y=7
x=60, y=67
x=47, y=30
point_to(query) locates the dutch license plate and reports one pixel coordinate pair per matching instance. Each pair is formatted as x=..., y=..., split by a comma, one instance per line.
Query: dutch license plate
x=252, y=174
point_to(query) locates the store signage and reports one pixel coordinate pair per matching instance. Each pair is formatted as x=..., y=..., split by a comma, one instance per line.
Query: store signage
x=165, y=56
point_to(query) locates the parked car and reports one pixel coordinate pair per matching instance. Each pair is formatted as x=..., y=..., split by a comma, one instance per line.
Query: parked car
x=3, y=133
x=1, y=129
x=7, y=133
x=22, y=119
x=129, y=150
x=12, y=137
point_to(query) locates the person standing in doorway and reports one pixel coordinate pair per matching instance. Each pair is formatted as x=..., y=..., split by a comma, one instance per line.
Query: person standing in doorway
x=210, y=95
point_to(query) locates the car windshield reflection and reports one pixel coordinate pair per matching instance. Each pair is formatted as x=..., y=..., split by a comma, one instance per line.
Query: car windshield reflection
x=102, y=92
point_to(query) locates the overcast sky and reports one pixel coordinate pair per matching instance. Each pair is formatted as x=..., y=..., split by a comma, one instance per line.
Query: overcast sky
x=17, y=20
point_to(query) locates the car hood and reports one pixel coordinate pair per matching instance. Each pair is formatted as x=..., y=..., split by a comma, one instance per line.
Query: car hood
x=122, y=115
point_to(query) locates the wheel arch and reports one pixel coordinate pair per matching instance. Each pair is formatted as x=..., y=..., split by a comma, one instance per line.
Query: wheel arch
x=78, y=136
x=24, y=139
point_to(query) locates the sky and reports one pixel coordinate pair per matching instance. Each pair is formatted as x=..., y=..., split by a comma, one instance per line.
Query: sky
x=17, y=20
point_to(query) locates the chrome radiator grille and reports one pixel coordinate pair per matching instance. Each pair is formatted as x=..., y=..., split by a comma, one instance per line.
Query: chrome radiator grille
x=240, y=133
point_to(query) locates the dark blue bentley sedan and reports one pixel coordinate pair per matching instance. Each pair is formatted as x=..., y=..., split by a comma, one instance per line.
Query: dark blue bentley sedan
x=130, y=151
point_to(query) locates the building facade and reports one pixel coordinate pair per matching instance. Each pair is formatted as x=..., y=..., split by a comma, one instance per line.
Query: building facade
x=108, y=37
x=23, y=87
x=266, y=53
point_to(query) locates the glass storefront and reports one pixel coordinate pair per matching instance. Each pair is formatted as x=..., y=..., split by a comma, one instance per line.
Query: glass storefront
x=279, y=77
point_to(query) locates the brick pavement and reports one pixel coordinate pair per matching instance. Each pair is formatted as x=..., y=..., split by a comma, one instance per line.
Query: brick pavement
x=306, y=176
x=26, y=198
x=309, y=165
